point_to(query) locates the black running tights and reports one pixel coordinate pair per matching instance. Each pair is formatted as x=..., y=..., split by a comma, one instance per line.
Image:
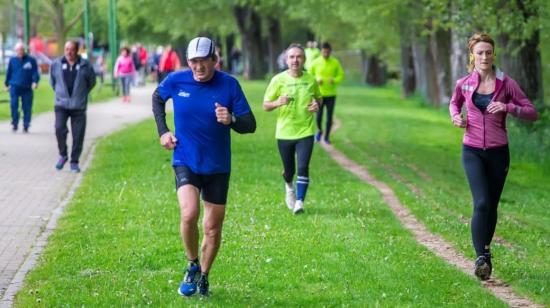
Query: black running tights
x=289, y=150
x=486, y=171
x=328, y=103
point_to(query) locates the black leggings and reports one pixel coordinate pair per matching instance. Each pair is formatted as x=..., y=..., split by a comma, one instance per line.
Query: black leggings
x=486, y=171
x=328, y=102
x=289, y=150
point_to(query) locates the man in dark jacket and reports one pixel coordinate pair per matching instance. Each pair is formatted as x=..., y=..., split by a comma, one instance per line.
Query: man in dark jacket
x=72, y=78
x=21, y=79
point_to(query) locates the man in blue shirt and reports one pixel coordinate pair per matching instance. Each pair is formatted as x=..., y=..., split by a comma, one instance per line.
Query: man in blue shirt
x=207, y=105
x=21, y=79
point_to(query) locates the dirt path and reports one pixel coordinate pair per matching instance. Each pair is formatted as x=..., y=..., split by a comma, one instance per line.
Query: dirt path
x=433, y=242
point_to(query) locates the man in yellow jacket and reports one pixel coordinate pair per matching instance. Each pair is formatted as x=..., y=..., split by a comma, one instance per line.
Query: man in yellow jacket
x=328, y=73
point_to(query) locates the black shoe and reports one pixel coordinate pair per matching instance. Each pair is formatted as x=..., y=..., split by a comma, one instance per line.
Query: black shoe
x=203, y=286
x=75, y=168
x=25, y=130
x=61, y=162
x=14, y=128
x=483, y=267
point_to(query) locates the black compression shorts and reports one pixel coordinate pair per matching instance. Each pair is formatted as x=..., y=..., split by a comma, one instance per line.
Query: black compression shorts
x=213, y=187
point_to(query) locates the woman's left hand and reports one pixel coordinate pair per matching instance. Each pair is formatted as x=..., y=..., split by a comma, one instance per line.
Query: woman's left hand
x=313, y=106
x=495, y=107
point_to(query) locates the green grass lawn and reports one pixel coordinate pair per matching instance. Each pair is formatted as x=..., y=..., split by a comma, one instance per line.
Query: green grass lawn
x=44, y=97
x=118, y=245
x=392, y=137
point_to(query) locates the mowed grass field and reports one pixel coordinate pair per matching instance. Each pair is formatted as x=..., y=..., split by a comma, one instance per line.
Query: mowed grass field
x=118, y=242
x=405, y=143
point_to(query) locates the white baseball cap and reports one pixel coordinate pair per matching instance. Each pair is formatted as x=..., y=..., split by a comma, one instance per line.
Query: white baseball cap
x=200, y=47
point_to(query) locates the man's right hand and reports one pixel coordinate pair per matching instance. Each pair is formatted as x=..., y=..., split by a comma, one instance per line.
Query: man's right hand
x=168, y=141
x=7, y=88
x=283, y=100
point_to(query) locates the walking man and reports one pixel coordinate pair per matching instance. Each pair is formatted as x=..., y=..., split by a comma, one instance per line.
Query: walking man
x=328, y=72
x=21, y=79
x=207, y=105
x=72, y=78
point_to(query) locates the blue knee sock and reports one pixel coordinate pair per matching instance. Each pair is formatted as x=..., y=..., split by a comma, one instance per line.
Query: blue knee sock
x=301, y=187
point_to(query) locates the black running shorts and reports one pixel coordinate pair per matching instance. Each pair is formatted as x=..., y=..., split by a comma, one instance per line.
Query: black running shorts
x=213, y=187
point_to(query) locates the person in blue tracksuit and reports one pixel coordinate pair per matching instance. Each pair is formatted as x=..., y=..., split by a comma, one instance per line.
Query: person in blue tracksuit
x=21, y=79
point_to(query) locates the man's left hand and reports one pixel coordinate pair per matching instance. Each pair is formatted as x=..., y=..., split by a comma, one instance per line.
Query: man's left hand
x=34, y=85
x=222, y=114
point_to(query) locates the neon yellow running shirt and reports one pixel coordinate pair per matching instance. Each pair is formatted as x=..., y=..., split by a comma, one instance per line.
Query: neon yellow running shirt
x=294, y=121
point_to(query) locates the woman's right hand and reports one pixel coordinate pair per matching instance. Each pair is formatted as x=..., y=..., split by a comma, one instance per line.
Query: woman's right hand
x=458, y=121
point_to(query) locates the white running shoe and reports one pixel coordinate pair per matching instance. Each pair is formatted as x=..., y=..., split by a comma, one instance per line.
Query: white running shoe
x=299, y=207
x=290, y=198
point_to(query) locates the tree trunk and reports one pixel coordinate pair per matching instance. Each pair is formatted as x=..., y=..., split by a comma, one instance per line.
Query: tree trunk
x=459, y=55
x=249, y=24
x=59, y=26
x=229, y=46
x=273, y=43
x=440, y=42
x=425, y=76
x=376, y=71
x=523, y=66
x=408, y=82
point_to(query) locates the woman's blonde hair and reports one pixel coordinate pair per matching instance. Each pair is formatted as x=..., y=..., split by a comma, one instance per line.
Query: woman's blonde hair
x=474, y=39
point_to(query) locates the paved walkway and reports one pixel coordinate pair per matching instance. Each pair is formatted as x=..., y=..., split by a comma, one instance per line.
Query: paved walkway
x=31, y=189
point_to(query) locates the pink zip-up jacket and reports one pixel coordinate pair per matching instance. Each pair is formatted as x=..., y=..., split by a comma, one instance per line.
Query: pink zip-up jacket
x=124, y=66
x=488, y=130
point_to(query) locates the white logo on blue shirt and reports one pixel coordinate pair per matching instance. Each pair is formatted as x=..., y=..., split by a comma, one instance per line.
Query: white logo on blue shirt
x=27, y=66
x=184, y=94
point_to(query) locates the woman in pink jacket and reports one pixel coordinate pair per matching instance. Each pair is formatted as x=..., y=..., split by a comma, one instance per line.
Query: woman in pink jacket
x=489, y=96
x=125, y=70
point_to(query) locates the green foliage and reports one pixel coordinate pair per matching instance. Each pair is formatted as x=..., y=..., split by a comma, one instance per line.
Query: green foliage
x=173, y=19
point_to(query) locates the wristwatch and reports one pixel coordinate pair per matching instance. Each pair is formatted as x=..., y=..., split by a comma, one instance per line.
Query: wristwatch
x=233, y=119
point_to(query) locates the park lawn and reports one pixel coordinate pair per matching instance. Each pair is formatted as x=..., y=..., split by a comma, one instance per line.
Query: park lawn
x=44, y=97
x=393, y=137
x=118, y=244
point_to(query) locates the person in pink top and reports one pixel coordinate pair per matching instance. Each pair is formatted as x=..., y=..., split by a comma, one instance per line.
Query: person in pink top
x=125, y=70
x=488, y=96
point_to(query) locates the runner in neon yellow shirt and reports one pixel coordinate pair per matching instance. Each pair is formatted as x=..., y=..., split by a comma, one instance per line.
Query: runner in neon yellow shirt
x=296, y=96
x=328, y=72
x=312, y=53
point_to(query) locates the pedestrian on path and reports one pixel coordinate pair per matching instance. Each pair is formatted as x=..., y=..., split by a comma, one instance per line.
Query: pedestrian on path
x=125, y=70
x=207, y=105
x=296, y=96
x=489, y=96
x=72, y=78
x=169, y=62
x=21, y=79
x=328, y=73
